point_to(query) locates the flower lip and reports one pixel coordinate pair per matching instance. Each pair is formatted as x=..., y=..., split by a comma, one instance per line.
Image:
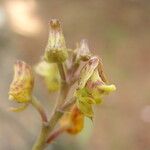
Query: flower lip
x=108, y=88
x=11, y=97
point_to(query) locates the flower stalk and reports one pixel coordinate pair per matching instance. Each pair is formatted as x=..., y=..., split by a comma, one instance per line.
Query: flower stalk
x=38, y=106
x=61, y=68
x=55, y=134
x=47, y=129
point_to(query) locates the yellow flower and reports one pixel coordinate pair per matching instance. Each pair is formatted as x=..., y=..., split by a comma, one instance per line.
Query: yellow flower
x=95, y=82
x=73, y=121
x=92, y=86
x=56, y=50
x=22, y=84
x=50, y=73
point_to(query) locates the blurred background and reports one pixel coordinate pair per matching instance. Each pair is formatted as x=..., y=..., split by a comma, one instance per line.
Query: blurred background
x=119, y=32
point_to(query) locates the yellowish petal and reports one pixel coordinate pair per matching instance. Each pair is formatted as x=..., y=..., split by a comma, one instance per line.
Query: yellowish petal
x=20, y=108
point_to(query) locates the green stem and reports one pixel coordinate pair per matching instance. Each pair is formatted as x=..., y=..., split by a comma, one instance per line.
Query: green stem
x=55, y=134
x=64, y=86
x=40, y=143
x=62, y=72
x=46, y=130
x=62, y=95
x=38, y=106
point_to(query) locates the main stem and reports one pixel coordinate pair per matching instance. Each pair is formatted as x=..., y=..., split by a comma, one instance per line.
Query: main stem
x=45, y=131
x=41, y=140
x=57, y=114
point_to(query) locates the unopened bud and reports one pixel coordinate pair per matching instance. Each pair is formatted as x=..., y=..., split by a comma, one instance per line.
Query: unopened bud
x=83, y=52
x=56, y=50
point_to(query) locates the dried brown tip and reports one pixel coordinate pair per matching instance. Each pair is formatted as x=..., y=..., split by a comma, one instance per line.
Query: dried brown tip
x=55, y=24
x=94, y=60
x=102, y=72
x=84, y=46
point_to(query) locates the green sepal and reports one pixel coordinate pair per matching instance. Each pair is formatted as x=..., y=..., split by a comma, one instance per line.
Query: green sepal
x=85, y=108
x=19, y=108
x=97, y=96
x=91, y=97
x=56, y=55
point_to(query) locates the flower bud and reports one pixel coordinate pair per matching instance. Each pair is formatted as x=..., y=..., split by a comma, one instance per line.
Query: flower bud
x=50, y=73
x=73, y=121
x=83, y=52
x=56, y=50
x=22, y=84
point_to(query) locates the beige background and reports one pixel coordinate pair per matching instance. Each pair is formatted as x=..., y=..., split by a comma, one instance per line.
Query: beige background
x=118, y=31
